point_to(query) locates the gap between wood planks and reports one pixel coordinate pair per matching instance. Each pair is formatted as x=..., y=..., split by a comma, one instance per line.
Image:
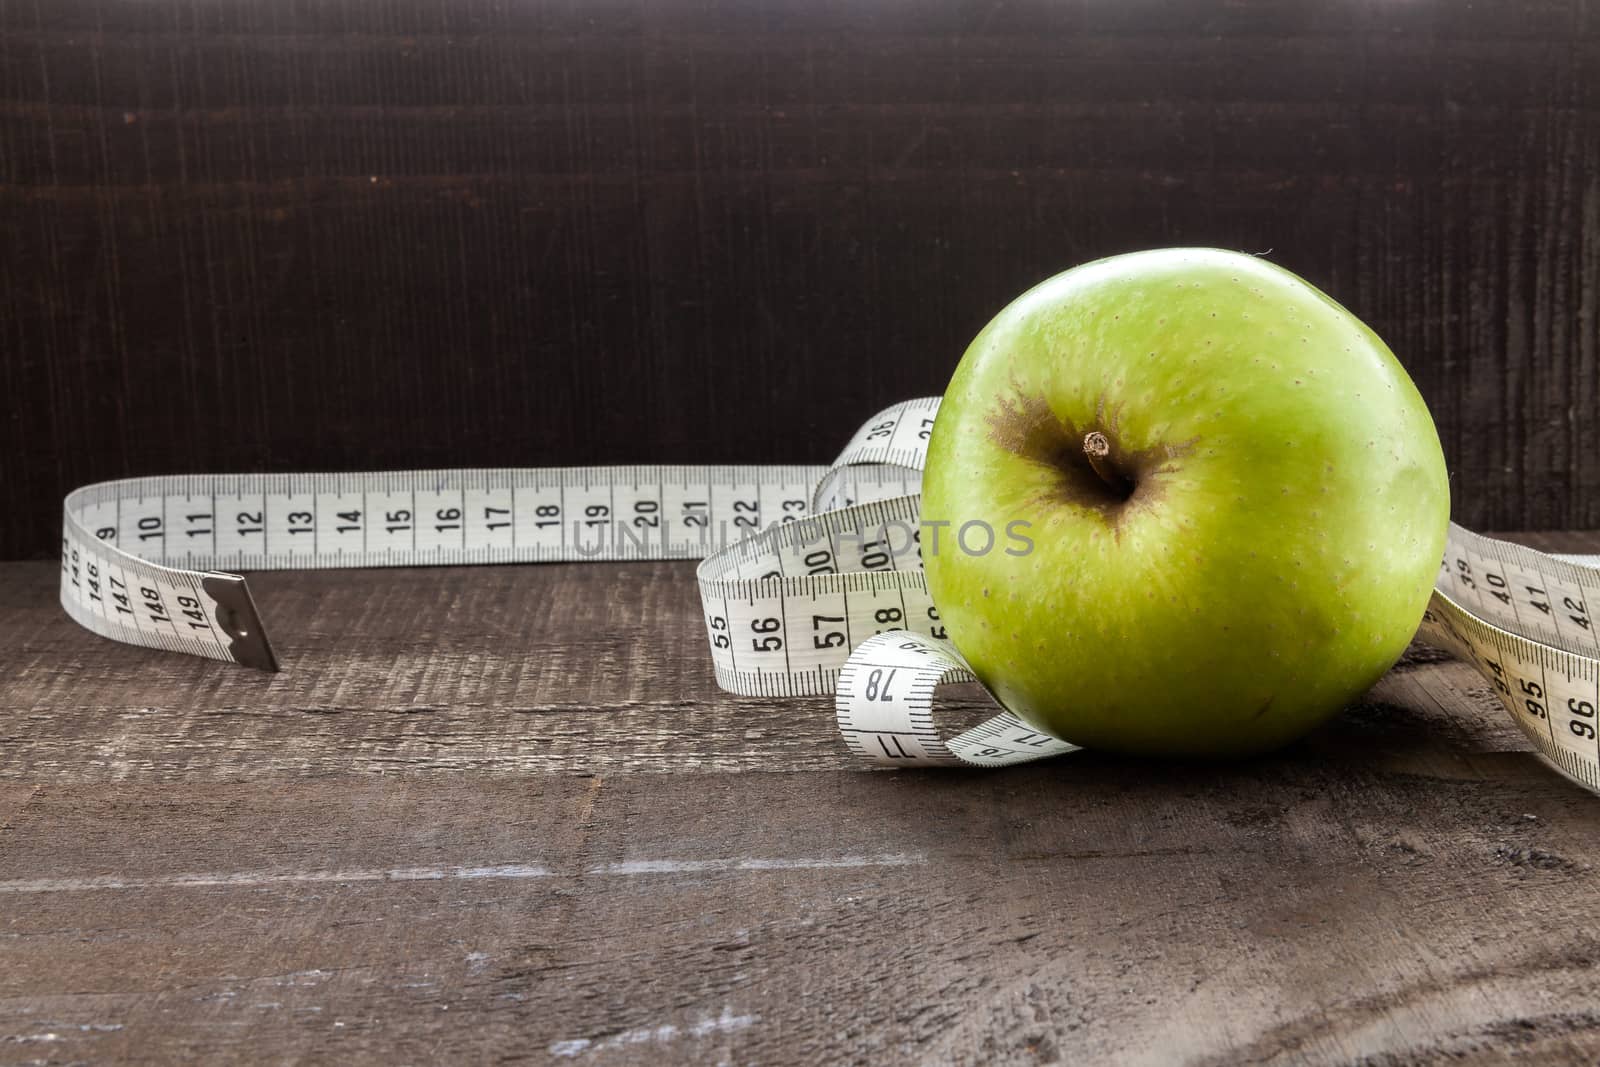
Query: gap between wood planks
x=629, y=868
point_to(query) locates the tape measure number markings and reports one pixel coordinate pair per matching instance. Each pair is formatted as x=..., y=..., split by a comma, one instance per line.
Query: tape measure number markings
x=141, y=558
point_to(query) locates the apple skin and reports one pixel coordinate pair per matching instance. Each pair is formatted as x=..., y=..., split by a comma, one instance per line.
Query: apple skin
x=1287, y=516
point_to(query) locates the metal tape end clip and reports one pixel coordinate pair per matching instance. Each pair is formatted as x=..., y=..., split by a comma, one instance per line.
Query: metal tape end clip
x=236, y=616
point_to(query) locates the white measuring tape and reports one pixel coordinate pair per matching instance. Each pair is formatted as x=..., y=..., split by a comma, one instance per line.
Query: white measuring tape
x=811, y=580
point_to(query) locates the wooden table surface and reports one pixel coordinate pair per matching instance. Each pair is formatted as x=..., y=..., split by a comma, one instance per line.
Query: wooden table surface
x=505, y=813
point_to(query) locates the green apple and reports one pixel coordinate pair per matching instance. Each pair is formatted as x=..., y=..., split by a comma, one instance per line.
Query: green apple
x=1228, y=505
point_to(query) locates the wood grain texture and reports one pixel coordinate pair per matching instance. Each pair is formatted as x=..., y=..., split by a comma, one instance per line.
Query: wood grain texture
x=259, y=235
x=504, y=813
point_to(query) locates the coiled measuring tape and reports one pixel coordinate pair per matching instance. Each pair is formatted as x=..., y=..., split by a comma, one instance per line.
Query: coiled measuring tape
x=811, y=580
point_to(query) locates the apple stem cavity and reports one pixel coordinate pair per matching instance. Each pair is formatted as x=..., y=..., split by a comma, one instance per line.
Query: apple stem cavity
x=1097, y=449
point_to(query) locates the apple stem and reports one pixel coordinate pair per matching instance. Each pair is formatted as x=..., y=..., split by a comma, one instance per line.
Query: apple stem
x=1097, y=449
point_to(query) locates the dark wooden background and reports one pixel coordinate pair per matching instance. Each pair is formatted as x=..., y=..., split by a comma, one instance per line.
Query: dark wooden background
x=277, y=235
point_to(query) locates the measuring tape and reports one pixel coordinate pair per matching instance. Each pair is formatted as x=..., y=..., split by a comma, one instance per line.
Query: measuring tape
x=810, y=583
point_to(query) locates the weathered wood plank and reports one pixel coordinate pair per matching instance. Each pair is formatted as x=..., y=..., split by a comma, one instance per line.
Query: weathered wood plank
x=1092, y=910
x=419, y=843
x=496, y=671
